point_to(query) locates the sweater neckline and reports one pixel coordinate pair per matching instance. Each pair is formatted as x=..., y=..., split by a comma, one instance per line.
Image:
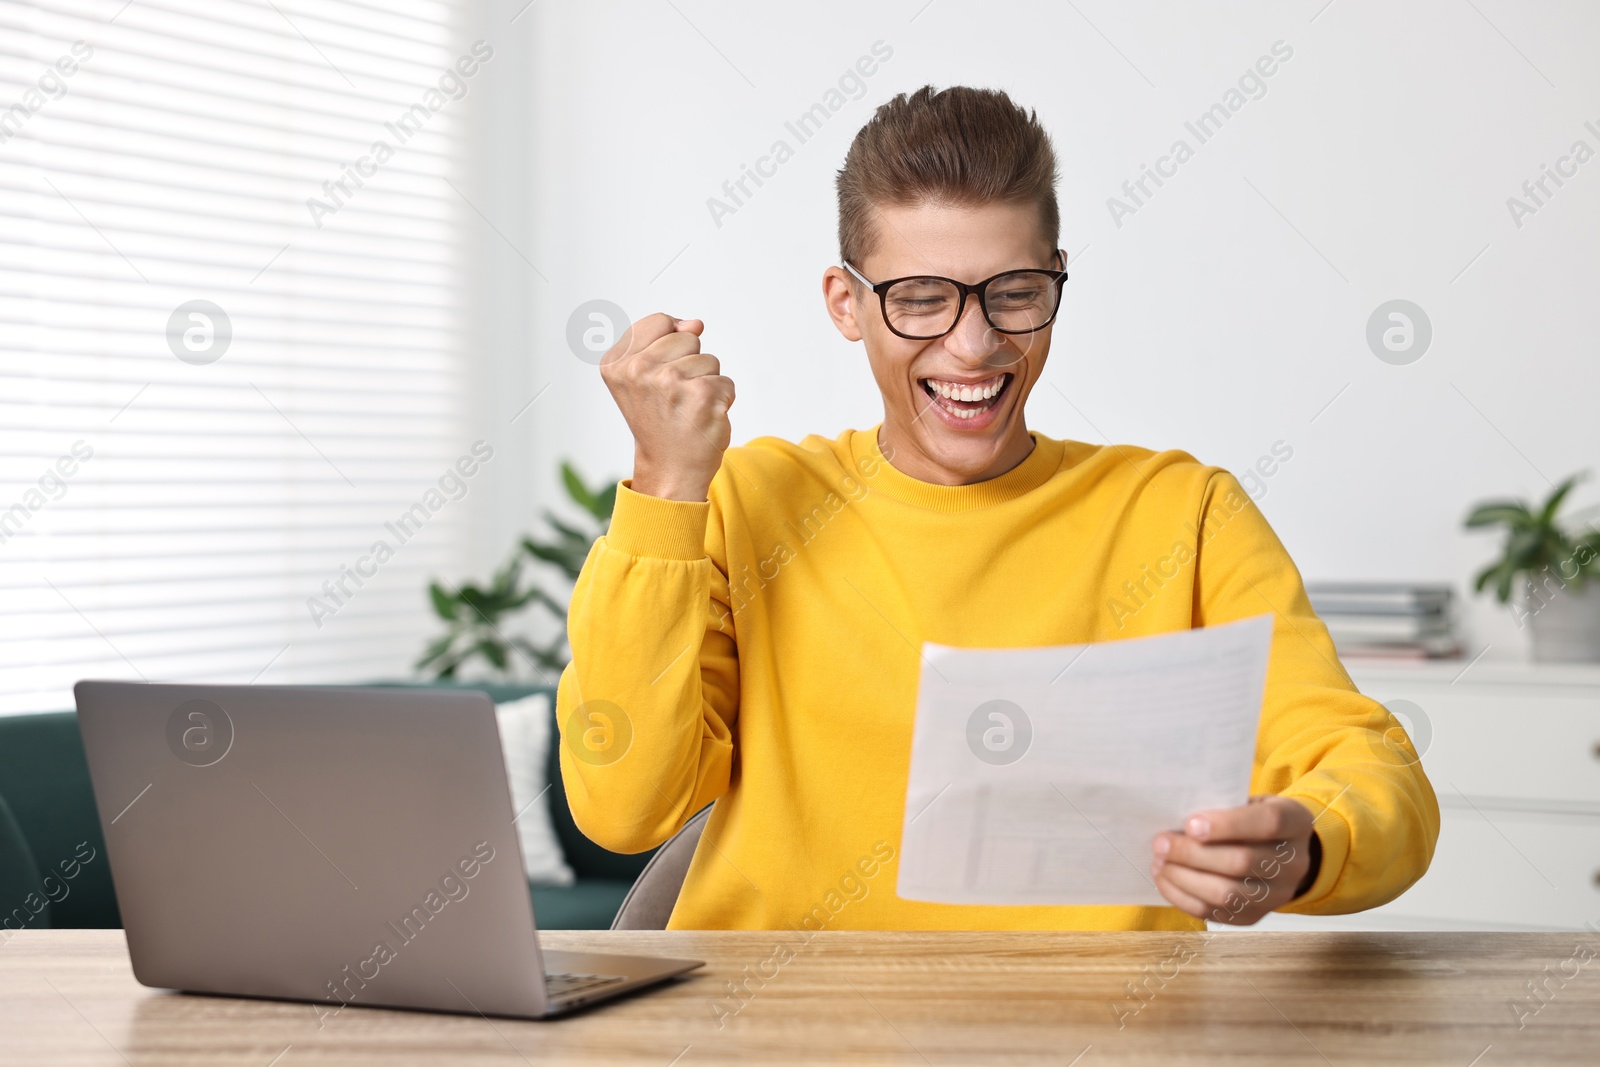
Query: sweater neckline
x=1035, y=469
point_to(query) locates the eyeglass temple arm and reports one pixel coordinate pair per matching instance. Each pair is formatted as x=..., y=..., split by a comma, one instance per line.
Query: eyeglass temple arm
x=861, y=277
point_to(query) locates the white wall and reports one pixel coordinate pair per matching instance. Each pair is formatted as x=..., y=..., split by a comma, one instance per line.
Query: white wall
x=1222, y=317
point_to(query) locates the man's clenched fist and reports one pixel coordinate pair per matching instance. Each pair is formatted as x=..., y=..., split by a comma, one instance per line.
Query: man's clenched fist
x=676, y=400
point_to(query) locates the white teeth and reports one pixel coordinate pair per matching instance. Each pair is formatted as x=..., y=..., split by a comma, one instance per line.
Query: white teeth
x=969, y=393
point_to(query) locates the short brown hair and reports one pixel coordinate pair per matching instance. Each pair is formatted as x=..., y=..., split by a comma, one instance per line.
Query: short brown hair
x=960, y=146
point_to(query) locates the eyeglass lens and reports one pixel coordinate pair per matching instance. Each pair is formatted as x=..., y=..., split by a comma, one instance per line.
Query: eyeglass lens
x=1018, y=301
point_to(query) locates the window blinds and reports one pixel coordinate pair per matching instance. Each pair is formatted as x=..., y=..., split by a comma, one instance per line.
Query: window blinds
x=229, y=326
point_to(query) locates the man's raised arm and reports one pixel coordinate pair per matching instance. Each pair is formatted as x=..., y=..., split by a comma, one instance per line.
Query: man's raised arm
x=647, y=706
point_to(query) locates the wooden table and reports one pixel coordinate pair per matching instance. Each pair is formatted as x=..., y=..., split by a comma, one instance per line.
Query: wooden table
x=68, y=997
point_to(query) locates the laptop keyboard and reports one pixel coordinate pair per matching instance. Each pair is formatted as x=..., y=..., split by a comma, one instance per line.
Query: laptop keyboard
x=562, y=985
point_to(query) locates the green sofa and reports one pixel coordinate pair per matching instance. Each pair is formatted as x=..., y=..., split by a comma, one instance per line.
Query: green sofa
x=47, y=810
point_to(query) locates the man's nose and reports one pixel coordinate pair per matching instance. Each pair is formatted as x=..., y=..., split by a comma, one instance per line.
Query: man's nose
x=973, y=339
x=981, y=346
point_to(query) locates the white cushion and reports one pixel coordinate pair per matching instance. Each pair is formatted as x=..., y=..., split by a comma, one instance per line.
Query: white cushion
x=525, y=737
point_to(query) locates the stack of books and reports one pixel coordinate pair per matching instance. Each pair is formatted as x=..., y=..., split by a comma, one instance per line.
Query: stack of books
x=1393, y=620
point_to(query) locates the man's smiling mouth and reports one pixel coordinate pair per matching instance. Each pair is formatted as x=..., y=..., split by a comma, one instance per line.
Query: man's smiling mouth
x=966, y=400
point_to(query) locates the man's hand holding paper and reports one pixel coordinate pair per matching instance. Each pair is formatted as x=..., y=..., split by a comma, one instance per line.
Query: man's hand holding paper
x=1237, y=864
x=1065, y=775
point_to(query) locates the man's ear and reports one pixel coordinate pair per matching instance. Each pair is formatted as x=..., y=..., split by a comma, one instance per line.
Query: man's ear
x=839, y=295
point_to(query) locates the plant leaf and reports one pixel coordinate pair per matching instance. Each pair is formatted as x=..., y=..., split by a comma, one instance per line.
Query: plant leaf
x=1524, y=549
x=1513, y=513
x=579, y=492
x=493, y=651
x=550, y=659
x=1503, y=585
x=448, y=670
x=480, y=604
x=474, y=612
x=444, y=605
x=556, y=607
x=572, y=535
x=1557, y=546
x=435, y=650
x=557, y=554
x=606, y=503
x=1549, y=513
x=1483, y=577
x=569, y=560
x=505, y=582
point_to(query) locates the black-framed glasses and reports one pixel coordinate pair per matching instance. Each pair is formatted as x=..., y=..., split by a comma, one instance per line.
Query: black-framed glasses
x=922, y=307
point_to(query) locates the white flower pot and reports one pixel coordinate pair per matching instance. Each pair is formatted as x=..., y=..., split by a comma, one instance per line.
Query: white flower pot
x=1564, y=625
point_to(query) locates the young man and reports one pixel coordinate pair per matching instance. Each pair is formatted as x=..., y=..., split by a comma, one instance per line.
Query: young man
x=749, y=631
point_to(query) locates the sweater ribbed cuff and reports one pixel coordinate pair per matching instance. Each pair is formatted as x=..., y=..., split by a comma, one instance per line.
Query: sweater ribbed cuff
x=1333, y=832
x=657, y=527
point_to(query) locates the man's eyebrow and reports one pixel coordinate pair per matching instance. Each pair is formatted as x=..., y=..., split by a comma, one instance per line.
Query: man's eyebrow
x=930, y=273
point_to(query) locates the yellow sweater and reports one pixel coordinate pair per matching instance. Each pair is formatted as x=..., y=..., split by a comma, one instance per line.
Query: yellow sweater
x=761, y=650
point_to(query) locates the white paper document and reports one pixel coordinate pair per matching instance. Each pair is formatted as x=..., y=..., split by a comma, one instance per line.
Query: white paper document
x=1041, y=775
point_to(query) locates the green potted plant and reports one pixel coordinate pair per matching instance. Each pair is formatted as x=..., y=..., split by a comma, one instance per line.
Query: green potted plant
x=1555, y=569
x=476, y=617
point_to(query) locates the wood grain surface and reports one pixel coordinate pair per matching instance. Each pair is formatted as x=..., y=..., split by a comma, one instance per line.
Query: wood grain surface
x=69, y=997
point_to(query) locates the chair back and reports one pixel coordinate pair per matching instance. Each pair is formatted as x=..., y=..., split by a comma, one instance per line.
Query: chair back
x=649, y=903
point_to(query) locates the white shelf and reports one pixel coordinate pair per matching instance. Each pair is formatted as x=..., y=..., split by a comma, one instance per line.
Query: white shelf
x=1512, y=749
x=1484, y=671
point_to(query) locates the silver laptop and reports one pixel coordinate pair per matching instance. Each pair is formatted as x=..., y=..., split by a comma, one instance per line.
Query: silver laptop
x=347, y=847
